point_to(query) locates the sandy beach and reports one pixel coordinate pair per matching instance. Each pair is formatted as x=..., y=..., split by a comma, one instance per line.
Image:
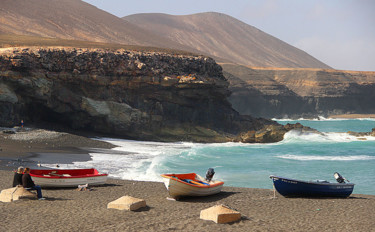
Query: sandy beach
x=352, y=116
x=71, y=210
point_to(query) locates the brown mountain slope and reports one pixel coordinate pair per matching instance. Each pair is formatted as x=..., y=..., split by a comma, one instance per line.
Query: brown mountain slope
x=73, y=19
x=223, y=36
x=217, y=35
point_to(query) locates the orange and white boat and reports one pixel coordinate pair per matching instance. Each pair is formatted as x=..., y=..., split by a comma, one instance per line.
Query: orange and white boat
x=190, y=184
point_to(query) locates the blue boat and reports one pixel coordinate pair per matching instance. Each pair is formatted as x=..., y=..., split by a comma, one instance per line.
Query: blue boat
x=319, y=188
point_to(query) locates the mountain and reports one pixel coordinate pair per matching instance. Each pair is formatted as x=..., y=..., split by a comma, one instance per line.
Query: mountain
x=223, y=36
x=217, y=35
x=73, y=19
x=290, y=84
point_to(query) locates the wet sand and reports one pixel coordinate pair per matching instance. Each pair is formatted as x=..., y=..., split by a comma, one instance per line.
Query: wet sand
x=71, y=210
x=29, y=146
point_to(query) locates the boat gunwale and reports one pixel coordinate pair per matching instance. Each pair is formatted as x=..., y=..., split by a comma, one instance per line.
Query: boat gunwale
x=67, y=177
x=169, y=176
x=61, y=176
x=310, y=182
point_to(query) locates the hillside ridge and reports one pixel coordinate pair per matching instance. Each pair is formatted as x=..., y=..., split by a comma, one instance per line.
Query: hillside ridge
x=225, y=37
x=217, y=35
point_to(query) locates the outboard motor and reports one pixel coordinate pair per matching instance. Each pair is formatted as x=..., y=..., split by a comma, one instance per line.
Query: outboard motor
x=339, y=178
x=209, y=174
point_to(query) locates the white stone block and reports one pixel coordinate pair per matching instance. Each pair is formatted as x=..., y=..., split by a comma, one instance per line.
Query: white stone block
x=127, y=203
x=16, y=193
x=220, y=214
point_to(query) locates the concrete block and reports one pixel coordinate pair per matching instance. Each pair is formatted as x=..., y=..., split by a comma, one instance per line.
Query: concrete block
x=16, y=193
x=220, y=214
x=6, y=195
x=127, y=203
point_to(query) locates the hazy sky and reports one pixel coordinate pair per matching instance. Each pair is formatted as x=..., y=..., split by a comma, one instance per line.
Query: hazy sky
x=340, y=33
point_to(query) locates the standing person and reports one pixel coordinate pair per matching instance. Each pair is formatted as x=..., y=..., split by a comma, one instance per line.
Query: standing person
x=17, y=179
x=27, y=182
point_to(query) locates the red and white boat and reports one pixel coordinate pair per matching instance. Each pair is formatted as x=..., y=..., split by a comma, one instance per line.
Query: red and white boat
x=67, y=177
x=190, y=184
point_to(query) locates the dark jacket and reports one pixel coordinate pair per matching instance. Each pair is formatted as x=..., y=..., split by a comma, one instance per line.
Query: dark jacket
x=27, y=182
x=17, y=180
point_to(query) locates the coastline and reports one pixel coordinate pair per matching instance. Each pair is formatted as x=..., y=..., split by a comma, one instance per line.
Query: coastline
x=70, y=210
x=352, y=116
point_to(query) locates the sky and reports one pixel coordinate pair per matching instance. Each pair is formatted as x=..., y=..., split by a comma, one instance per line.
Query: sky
x=340, y=33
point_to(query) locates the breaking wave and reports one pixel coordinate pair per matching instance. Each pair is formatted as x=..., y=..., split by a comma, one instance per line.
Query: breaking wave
x=324, y=137
x=321, y=118
x=326, y=158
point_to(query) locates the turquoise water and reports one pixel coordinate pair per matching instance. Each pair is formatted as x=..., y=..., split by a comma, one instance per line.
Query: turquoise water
x=298, y=156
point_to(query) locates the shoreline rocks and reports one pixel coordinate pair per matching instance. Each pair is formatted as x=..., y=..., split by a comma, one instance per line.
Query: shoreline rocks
x=362, y=134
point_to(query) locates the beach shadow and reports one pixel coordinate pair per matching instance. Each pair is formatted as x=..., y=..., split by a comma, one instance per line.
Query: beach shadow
x=143, y=209
x=55, y=199
x=107, y=185
x=205, y=199
x=65, y=188
x=243, y=218
x=362, y=198
x=322, y=198
x=89, y=188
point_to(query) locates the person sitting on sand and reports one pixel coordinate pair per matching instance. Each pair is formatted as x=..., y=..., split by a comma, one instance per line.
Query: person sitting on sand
x=28, y=183
x=17, y=180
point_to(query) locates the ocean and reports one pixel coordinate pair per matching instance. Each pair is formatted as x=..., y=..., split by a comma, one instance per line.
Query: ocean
x=299, y=156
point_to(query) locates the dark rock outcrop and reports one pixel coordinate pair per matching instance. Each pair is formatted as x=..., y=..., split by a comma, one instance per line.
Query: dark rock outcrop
x=362, y=134
x=139, y=95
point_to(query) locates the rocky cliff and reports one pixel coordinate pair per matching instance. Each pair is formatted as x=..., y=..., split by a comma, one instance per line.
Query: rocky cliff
x=295, y=93
x=139, y=95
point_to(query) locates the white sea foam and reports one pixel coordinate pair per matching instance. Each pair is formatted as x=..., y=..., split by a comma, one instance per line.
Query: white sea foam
x=140, y=160
x=328, y=137
x=321, y=118
x=130, y=160
x=133, y=160
x=366, y=119
x=326, y=158
x=288, y=119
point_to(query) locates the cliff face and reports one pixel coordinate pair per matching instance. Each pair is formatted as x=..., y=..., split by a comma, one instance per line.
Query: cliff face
x=139, y=95
x=295, y=93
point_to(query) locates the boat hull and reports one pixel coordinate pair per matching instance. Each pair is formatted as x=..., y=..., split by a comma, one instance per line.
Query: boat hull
x=67, y=177
x=178, y=188
x=297, y=188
